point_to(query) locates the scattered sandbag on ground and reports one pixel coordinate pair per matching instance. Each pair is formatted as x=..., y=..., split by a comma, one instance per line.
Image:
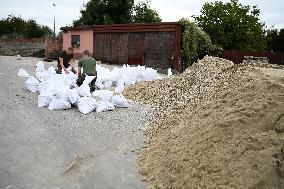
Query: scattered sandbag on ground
x=59, y=91
x=104, y=106
x=59, y=104
x=23, y=73
x=32, y=84
x=103, y=94
x=44, y=99
x=119, y=101
x=73, y=96
x=87, y=104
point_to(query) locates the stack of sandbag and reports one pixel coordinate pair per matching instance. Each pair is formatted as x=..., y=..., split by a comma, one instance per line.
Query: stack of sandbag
x=60, y=91
x=126, y=75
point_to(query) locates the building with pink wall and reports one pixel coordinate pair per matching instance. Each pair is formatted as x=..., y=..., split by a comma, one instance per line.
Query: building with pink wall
x=80, y=40
x=154, y=45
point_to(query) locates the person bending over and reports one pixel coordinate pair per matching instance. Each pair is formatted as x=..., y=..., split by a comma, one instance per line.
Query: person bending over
x=89, y=68
x=65, y=61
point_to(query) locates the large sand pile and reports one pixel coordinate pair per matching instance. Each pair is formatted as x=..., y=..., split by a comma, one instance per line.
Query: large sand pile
x=221, y=126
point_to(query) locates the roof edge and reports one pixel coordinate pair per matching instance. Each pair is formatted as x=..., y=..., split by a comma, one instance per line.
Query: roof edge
x=76, y=28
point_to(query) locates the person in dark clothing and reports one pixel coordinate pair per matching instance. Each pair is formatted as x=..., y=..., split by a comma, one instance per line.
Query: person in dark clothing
x=65, y=61
x=89, y=68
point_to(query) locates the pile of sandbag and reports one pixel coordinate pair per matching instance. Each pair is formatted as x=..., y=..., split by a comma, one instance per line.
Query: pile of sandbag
x=60, y=91
x=124, y=76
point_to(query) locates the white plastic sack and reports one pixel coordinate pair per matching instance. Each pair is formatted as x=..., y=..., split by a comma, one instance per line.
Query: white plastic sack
x=23, y=73
x=84, y=90
x=70, y=80
x=103, y=94
x=170, y=73
x=108, y=83
x=44, y=99
x=51, y=71
x=104, y=106
x=87, y=105
x=88, y=80
x=99, y=84
x=32, y=84
x=40, y=66
x=73, y=96
x=119, y=101
x=119, y=87
x=151, y=74
x=59, y=104
x=42, y=75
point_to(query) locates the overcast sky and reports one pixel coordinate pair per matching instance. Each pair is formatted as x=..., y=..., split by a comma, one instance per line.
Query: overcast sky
x=271, y=12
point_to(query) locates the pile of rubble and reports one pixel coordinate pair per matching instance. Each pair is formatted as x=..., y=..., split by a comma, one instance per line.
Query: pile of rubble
x=221, y=125
x=184, y=90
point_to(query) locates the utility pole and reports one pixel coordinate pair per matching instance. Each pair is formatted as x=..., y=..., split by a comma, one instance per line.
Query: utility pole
x=54, y=22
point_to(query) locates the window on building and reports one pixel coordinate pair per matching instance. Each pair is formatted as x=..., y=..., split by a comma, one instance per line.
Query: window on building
x=75, y=41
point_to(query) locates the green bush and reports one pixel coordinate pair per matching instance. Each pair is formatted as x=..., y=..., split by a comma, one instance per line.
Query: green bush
x=195, y=42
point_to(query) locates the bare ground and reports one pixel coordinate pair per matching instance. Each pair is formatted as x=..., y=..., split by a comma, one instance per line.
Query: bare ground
x=64, y=149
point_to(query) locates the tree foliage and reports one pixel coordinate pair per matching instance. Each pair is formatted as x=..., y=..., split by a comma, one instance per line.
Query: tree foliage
x=232, y=25
x=195, y=42
x=105, y=12
x=143, y=13
x=116, y=12
x=13, y=26
x=275, y=40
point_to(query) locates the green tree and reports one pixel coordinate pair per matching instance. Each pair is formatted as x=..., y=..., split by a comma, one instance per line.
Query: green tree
x=105, y=12
x=195, y=42
x=14, y=26
x=275, y=40
x=143, y=13
x=232, y=25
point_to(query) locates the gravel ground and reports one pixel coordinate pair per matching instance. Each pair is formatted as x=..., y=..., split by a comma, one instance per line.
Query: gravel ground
x=64, y=149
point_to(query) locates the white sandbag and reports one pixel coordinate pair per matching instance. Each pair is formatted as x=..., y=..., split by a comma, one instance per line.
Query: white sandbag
x=87, y=105
x=73, y=96
x=23, y=73
x=59, y=104
x=170, y=73
x=51, y=71
x=99, y=84
x=42, y=75
x=88, y=80
x=103, y=94
x=40, y=66
x=151, y=74
x=104, y=106
x=119, y=101
x=70, y=80
x=108, y=83
x=44, y=99
x=119, y=87
x=84, y=90
x=32, y=84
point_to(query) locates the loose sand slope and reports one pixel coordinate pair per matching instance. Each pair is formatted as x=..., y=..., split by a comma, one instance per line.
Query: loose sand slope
x=221, y=126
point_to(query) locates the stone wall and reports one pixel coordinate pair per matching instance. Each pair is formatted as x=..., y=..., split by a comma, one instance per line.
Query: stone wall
x=21, y=46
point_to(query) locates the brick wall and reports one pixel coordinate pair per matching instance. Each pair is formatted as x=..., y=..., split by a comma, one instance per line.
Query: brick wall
x=21, y=46
x=52, y=46
x=154, y=49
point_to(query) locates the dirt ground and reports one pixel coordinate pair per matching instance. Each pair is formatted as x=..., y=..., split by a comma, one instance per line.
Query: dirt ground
x=64, y=149
x=228, y=134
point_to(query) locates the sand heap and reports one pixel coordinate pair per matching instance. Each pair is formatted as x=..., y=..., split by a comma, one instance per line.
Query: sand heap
x=221, y=126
